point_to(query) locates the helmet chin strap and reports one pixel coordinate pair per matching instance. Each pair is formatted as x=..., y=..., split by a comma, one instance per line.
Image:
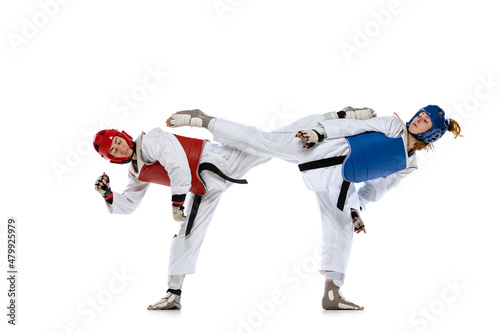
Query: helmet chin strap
x=413, y=135
x=418, y=138
x=133, y=153
x=411, y=152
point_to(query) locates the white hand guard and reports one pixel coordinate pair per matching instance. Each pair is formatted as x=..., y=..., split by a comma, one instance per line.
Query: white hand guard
x=311, y=137
x=102, y=186
x=178, y=213
x=357, y=222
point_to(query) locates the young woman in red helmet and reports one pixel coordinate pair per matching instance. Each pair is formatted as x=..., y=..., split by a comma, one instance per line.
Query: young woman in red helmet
x=378, y=152
x=197, y=172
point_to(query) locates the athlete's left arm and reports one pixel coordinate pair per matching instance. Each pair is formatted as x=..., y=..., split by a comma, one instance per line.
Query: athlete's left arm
x=373, y=190
x=341, y=128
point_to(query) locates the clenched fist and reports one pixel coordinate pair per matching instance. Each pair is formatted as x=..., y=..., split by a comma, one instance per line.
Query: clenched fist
x=102, y=186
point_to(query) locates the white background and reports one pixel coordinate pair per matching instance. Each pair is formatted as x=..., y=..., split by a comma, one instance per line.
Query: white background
x=65, y=70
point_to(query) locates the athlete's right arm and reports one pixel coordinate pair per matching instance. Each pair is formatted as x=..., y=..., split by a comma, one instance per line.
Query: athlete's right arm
x=128, y=201
x=373, y=190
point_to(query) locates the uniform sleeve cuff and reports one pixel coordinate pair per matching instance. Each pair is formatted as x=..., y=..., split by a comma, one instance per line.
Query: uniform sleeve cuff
x=109, y=198
x=178, y=199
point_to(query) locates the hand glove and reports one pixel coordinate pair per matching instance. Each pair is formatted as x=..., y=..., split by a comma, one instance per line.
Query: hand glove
x=311, y=137
x=178, y=213
x=358, y=223
x=178, y=207
x=102, y=186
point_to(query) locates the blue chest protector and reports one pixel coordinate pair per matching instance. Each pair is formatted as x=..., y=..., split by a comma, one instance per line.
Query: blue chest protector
x=373, y=155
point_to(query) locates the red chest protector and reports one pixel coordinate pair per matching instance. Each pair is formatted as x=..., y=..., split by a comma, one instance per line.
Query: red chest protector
x=155, y=172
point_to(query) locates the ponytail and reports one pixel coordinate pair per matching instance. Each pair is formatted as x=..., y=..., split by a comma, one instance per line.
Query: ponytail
x=455, y=128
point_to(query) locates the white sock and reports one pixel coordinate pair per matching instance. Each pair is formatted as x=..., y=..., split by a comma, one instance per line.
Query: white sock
x=338, y=283
x=211, y=123
x=330, y=115
x=175, y=281
x=334, y=276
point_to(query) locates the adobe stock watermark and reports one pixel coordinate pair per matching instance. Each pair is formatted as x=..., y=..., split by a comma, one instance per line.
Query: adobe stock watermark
x=363, y=36
x=279, y=117
x=291, y=279
x=486, y=88
x=88, y=310
x=31, y=26
x=222, y=7
x=429, y=313
x=3, y=239
x=121, y=107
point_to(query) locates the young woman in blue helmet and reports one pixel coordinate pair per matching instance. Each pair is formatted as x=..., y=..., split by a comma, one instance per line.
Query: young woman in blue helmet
x=379, y=152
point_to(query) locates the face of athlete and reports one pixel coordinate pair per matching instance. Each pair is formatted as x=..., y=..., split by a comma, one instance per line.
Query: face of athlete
x=421, y=124
x=119, y=148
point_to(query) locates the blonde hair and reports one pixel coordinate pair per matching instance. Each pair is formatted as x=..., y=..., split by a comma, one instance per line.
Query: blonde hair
x=454, y=127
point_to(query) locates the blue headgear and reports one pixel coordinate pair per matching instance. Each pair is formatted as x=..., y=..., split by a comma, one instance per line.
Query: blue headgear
x=440, y=124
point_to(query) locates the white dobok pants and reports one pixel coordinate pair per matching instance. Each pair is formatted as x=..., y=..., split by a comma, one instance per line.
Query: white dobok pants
x=184, y=250
x=326, y=182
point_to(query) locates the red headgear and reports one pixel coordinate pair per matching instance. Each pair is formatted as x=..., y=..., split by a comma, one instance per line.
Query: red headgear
x=102, y=144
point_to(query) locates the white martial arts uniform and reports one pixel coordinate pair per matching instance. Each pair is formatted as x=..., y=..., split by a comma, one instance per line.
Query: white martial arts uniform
x=325, y=182
x=161, y=146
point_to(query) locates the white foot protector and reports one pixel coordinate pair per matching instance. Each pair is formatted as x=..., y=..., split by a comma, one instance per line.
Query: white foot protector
x=193, y=118
x=350, y=113
x=333, y=299
x=171, y=301
x=360, y=114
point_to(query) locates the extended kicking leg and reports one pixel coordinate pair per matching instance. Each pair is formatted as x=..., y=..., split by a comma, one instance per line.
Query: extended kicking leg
x=197, y=118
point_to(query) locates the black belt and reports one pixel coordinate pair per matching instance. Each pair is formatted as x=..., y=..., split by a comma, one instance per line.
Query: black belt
x=197, y=197
x=194, y=212
x=326, y=162
x=214, y=169
x=343, y=194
